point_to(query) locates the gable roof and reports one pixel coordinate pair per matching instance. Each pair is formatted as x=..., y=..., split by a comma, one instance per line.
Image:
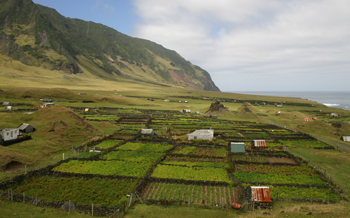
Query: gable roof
x=203, y=132
x=146, y=131
x=259, y=143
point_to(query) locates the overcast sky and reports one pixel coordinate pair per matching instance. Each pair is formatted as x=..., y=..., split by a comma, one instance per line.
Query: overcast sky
x=245, y=45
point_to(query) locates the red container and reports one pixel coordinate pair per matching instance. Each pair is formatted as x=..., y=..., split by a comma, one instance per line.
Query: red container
x=236, y=206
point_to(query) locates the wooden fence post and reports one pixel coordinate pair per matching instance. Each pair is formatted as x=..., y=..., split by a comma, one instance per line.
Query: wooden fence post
x=92, y=211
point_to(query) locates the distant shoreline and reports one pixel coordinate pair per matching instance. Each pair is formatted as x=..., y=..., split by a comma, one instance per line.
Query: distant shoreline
x=336, y=99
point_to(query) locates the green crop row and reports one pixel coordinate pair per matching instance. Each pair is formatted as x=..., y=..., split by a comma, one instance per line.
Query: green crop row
x=108, y=143
x=196, y=194
x=315, y=144
x=145, y=147
x=259, y=168
x=122, y=168
x=191, y=173
x=260, y=159
x=278, y=178
x=134, y=156
x=203, y=164
x=95, y=191
x=212, y=152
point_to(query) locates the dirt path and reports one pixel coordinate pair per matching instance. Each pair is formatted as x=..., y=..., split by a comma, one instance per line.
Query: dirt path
x=346, y=148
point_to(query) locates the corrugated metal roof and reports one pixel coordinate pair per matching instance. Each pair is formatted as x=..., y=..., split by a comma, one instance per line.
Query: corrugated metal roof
x=259, y=143
x=261, y=193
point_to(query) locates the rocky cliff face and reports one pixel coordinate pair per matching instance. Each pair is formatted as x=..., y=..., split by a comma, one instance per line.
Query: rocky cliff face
x=39, y=36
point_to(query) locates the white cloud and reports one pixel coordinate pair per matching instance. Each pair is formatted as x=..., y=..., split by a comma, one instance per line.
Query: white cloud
x=106, y=7
x=260, y=41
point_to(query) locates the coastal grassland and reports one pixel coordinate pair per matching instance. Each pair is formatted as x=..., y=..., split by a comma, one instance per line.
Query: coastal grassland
x=58, y=128
x=17, y=209
x=281, y=209
x=334, y=162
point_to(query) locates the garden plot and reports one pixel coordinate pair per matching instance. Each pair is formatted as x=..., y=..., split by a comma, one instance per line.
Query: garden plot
x=121, y=168
x=95, y=191
x=197, y=194
x=134, y=156
x=301, y=143
x=190, y=162
x=278, y=169
x=153, y=147
x=301, y=193
x=191, y=173
x=200, y=151
x=108, y=143
x=101, y=118
x=269, y=178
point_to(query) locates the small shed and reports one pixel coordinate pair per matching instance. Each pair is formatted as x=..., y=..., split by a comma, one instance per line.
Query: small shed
x=197, y=112
x=203, y=134
x=279, y=105
x=86, y=110
x=167, y=100
x=259, y=143
x=147, y=132
x=6, y=104
x=306, y=119
x=186, y=110
x=260, y=194
x=9, y=134
x=8, y=107
x=237, y=147
x=214, y=116
x=346, y=138
x=334, y=115
x=26, y=128
x=46, y=99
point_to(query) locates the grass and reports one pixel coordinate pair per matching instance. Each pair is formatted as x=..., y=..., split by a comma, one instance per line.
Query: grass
x=335, y=163
x=281, y=209
x=15, y=209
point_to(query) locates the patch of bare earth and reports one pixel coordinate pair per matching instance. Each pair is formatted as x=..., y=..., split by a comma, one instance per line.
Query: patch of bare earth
x=146, y=191
x=152, y=192
x=281, y=160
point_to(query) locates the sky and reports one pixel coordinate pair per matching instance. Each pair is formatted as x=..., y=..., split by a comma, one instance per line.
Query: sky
x=245, y=45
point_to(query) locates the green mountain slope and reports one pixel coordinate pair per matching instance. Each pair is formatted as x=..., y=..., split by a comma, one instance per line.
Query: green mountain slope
x=40, y=36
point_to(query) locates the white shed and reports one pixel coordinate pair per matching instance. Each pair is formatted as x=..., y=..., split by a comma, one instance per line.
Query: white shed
x=346, y=138
x=186, y=110
x=203, y=134
x=147, y=132
x=9, y=134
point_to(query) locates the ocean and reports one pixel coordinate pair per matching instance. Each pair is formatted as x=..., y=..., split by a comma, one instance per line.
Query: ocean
x=331, y=99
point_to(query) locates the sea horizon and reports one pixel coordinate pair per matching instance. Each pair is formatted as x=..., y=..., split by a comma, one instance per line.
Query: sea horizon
x=335, y=99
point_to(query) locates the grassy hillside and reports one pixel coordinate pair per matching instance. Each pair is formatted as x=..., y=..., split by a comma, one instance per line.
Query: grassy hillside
x=39, y=36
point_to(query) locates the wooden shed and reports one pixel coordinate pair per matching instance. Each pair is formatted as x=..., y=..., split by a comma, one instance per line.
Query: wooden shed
x=186, y=110
x=26, y=128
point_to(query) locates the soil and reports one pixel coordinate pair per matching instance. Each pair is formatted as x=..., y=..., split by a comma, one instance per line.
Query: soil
x=13, y=165
x=229, y=195
x=281, y=160
x=152, y=192
x=146, y=191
